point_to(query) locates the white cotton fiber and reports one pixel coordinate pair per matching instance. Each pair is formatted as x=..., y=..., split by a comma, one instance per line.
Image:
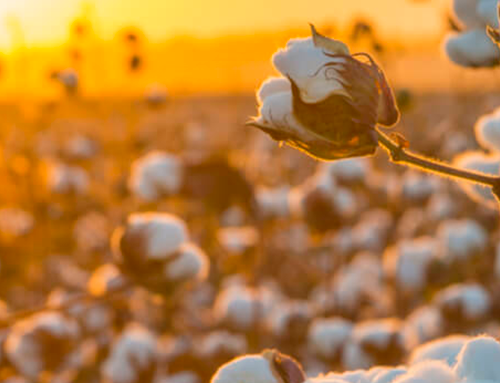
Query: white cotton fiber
x=444, y=349
x=303, y=62
x=247, y=369
x=190, y=263
x=487, y=131
x=327, y=336
x=271, y=86
x=472, y=49
x=479, y=360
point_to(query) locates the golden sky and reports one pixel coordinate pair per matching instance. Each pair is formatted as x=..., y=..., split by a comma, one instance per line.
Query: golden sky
x=45, y=22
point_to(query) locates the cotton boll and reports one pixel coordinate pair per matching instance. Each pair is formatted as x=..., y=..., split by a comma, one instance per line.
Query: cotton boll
x=472, y=49
x=374, y=342
x=44, y=342
x=270, y=367
x=303, y=62
x=418, y=187
x=156, y=175
x=157, y=236
x=238, y=307
x=346, y=202
x=373, y=229
x=222, y=344
x=443, y=349
x=483, y=163
x=441, y=207
x=80, y=148
x=353, y=170
x=327, y=337
x=273, y=203
x=423, y=324
x=134, y=344
x=389, y=375
x=460, y=303
x=238, y=240
x=190, y=263
x=412, y=223
x=65, y=179
x=271, y=86
x=461, y=239
x=487, y=131
x=478, y=361
x=408, y=262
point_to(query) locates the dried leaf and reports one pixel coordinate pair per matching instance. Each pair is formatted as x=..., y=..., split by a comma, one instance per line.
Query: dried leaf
x=328, y=44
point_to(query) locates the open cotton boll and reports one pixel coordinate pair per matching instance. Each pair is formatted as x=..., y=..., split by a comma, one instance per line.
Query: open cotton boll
x=351, y=170
x=190, y=263
x=132, y=358
x=80, y=148
x=273, y=203
x=44, y=342
x=345, y=202
x=408, y=262
x=302, y=61
x=327, y=337
x=156, y=175
x=65, y=179
x=238, y=307
x=478, y=361
x=423, y=324
x=374, y=342
x=469, y=302
x=181, y=377
x=483, y=163
x=388, y=375
x=487, y=131
x=271, y=86
x=444, y=349
x=238, y=240
x=460, y=240
x=472, y=49
x=156, y=235
x=440, y=207
x=418, y=187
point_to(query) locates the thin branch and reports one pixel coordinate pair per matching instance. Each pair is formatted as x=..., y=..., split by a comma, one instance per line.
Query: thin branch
x=65, y=306
x=399, y=154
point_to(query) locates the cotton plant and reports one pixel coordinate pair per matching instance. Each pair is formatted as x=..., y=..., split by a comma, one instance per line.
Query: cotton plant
x=331, y=105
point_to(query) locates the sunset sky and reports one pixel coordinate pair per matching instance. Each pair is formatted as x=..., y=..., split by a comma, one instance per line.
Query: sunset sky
x=46, y=22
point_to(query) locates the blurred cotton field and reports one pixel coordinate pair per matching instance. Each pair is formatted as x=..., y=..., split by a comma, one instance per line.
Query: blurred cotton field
x=148, y=235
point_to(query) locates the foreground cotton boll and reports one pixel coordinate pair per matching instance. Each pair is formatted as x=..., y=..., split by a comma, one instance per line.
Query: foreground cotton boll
x=487, y=131
x=66, y=179
x=271, y=86
x=270, y=367
x=374, y=342
x=478, y=361
x=133, y=357
x=238, y=240
x=156, y=175
x=487, y=10
x=327, y=337
x=334, y=100
x=466, y=13
x=461, y=240
x=273, y=203
x=15, y=222
x=431, y=371
x=444, y=349
x=44, y=342
x=408, y=263
x=463, y=304
x=472, y=49
x=483, y=163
